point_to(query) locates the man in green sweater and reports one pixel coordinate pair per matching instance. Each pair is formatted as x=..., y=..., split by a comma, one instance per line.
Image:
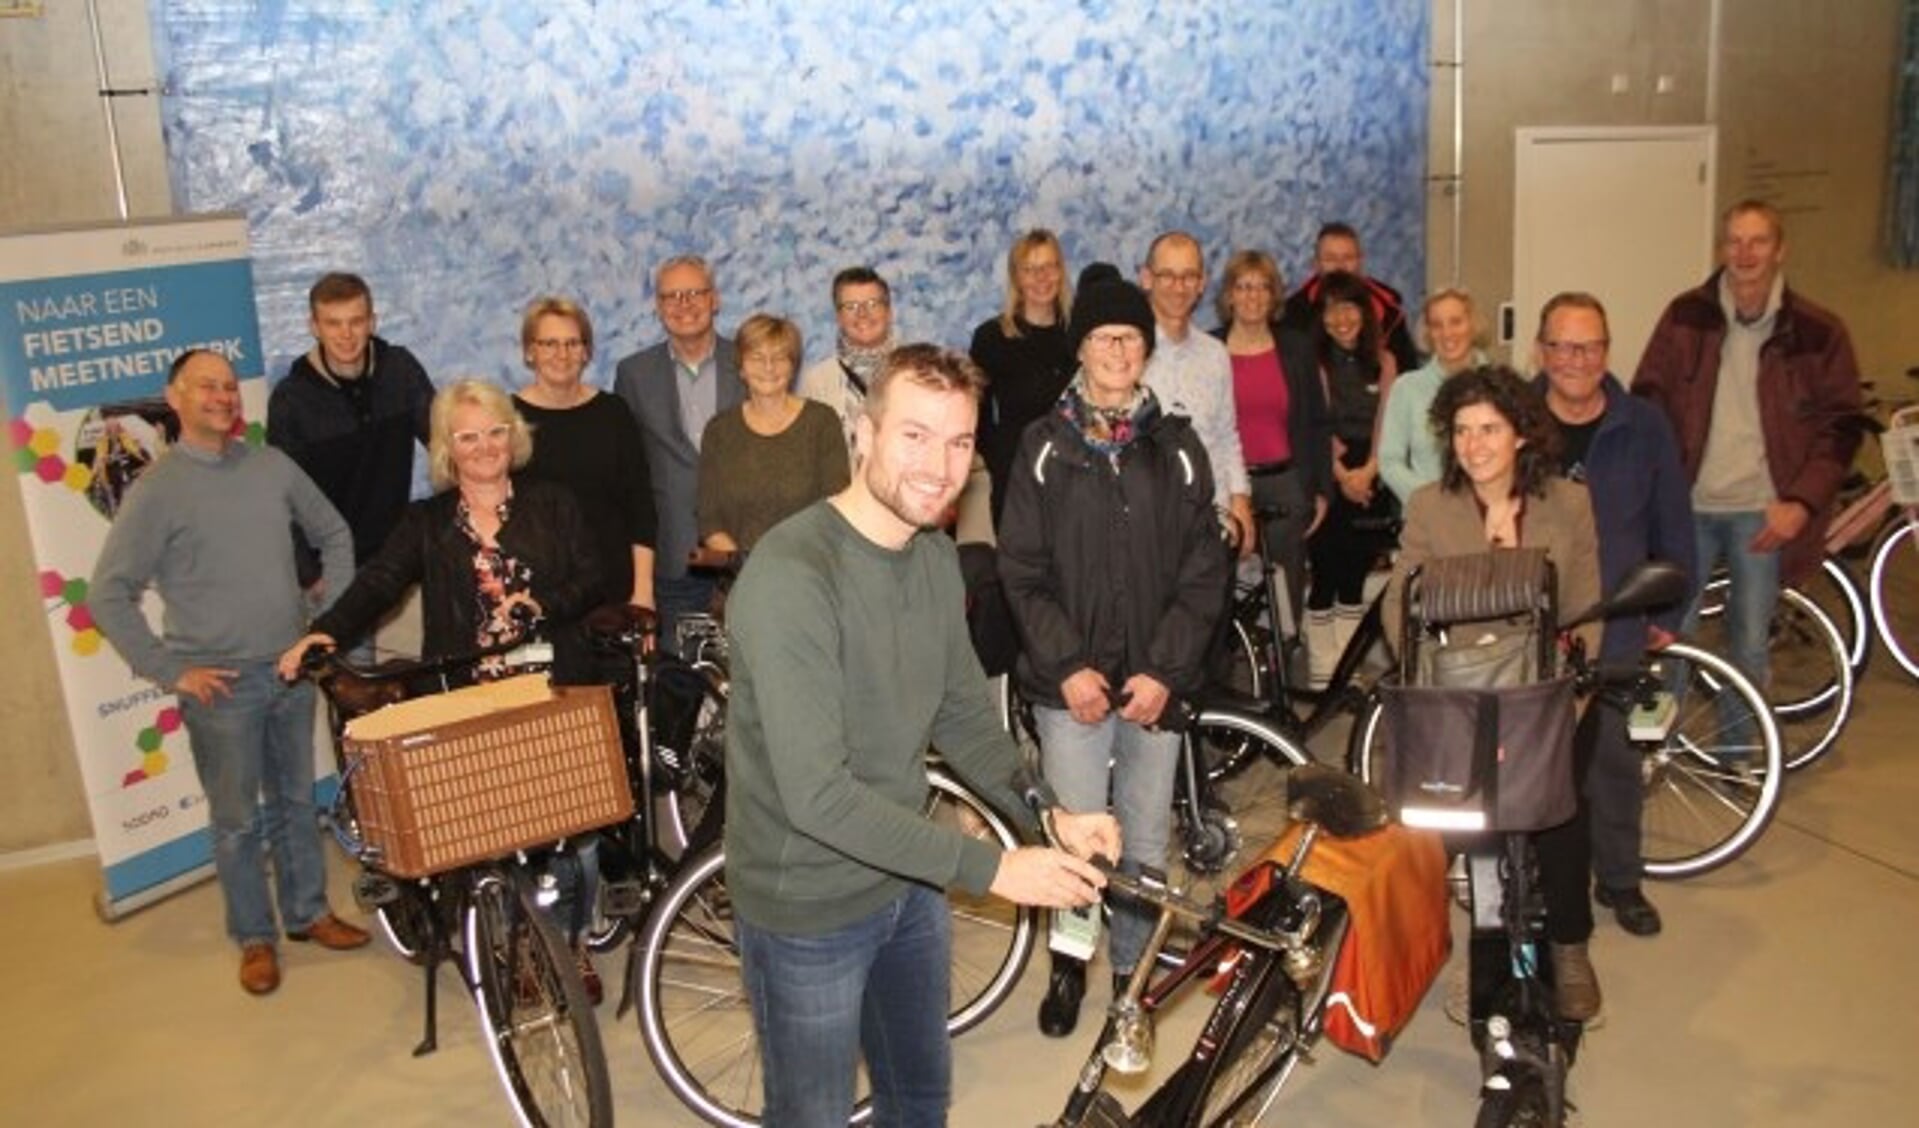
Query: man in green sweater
x=850, y=656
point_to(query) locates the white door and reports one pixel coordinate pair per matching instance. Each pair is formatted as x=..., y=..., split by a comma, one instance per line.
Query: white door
x=1625, y=214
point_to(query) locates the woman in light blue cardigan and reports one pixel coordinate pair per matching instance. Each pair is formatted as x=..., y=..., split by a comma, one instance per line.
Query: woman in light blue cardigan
x=1408, y=457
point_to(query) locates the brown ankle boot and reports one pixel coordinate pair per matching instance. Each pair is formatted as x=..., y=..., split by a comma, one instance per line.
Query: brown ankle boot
x=1575, y=983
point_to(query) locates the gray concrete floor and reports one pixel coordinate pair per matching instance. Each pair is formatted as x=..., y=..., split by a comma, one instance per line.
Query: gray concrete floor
x=1779, y=994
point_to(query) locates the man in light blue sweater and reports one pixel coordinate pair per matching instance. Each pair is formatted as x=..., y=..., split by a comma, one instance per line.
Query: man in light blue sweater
x=205, y=527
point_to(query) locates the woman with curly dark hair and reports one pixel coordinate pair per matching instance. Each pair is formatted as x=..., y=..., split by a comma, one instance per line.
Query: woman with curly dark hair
x=1499, y=487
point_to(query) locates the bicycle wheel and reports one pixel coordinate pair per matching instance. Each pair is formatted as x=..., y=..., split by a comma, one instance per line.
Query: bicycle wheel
x=1713, y=783
x=694, y=1014
x=1247, y=806
x=1894, y=589
x=992, y=937
x=1260, y=1014
x=1510, y=1101
x=540, y=1029
x=1242, y=671
x=1810, y=677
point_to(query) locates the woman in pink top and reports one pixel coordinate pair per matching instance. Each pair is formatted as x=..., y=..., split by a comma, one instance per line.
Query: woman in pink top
x=1281, y=410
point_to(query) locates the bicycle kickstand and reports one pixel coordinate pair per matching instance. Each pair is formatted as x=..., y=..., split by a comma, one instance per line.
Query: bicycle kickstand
x=430, y=968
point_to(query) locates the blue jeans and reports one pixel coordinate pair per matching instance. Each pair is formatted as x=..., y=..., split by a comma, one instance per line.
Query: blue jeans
x=254, y=754
x=688, y=595
x=878, y=986
x=1086, y=762
x=1754, y=592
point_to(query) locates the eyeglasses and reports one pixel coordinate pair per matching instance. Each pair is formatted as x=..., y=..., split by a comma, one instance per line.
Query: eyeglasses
x=1575, y=350
x=1252, y=286
x=467, y=440
x=683, y=297
x=1127, y=339
x=560, y=344
x=863, y=305
x=1039, y=269
x=1178, y=277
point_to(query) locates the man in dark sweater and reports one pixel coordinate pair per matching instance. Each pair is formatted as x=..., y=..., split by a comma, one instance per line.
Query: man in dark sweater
x=850, y=656
x=203, y=527
x=348, y=413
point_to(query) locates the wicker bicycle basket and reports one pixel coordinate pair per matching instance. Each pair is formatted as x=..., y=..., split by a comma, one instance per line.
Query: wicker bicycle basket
x=485, y=786
x=1901, y=444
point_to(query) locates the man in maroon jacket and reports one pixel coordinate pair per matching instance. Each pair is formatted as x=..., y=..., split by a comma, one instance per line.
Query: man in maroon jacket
x=1759, y=383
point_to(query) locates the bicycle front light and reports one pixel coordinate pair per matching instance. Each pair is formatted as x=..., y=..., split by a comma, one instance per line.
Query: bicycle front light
x=1131, y=1049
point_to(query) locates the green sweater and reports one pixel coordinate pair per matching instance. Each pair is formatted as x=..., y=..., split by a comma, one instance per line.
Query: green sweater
x=848, y=660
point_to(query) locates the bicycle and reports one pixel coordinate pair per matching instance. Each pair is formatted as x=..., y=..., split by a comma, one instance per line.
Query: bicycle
x=1258, y=681
x=489, y=917
x=672, y=733
x=694, y=1014
x=1701, y=809
x=1274, y=940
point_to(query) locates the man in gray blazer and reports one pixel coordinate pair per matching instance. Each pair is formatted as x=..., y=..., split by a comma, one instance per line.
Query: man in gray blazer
x=674, y=389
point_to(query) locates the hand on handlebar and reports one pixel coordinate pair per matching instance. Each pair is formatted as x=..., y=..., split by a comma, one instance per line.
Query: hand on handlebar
x=1046, y=877
x=290, y=663
x=1092, y=836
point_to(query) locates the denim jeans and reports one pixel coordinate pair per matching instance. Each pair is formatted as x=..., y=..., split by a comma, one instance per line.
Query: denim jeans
x=254, y=754
x=688, y=595
x=1084, y=762
x=877, y=987
x=1722, y=538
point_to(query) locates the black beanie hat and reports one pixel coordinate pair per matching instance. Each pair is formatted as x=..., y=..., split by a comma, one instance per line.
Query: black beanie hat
x=1104, y=297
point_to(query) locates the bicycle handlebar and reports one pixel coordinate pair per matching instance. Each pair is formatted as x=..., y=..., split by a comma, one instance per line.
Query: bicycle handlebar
x=1151, y=887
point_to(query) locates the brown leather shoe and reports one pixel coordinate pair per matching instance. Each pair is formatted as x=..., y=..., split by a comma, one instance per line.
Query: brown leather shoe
x=332, y=933
x=1575, y=983
x=259, y=968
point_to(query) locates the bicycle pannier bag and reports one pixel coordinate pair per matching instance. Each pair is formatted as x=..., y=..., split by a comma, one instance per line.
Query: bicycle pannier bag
x=1480, y=759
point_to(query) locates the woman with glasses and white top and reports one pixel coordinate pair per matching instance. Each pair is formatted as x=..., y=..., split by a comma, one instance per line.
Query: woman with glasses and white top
x=590, y=444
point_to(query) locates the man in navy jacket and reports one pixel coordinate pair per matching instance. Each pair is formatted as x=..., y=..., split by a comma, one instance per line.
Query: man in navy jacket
x=1624, y=450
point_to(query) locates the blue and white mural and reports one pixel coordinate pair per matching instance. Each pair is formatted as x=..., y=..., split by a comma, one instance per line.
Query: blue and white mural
x=468, y=156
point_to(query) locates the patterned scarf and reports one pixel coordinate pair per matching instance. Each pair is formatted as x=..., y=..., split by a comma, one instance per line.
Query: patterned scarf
x=1108, y=430
x=865, y=363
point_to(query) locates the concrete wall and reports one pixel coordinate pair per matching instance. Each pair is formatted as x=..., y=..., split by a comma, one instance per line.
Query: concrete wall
x=1803, y=103
x=58, y=171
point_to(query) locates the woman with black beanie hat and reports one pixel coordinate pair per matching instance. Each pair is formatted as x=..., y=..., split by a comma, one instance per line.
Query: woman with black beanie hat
x=1112, y=562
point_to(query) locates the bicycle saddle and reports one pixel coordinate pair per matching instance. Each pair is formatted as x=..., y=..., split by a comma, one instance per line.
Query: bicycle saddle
x=1340, y=803
x=621, y=623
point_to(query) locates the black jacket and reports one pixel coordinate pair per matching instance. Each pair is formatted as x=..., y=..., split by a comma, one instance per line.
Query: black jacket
x=355, y=440
x=1117, y=568
x=544, y=529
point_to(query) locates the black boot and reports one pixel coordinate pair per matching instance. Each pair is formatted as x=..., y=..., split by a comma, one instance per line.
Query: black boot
x=1059, y=1011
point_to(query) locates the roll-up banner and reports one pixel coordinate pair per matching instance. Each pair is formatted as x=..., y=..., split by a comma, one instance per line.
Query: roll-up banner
x=90, y=320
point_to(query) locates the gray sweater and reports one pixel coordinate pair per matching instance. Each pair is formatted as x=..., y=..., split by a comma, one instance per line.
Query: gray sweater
x=210, y=533
x=848, y=659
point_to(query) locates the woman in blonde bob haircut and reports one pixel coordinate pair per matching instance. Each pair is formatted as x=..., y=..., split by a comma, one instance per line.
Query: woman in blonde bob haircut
x=480, y=393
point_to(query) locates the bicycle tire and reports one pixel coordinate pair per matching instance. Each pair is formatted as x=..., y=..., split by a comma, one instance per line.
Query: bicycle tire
x=1810, y=684
x=992, y=937
x=1840, y=595
x=539, y=1027
x=695, y=1017
x=1521, y=1105
x=1243, y=673
x=1895, y=571
x=1247, y=805
x=1261, y=1036
x=1702, y=810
